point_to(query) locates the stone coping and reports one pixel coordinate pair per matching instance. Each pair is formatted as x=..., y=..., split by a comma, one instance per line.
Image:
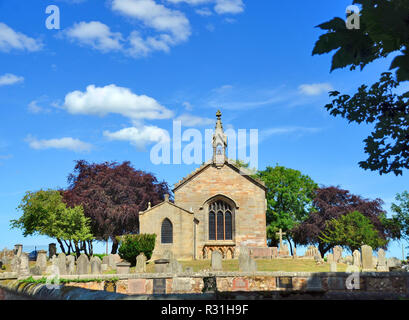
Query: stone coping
x=216, y=274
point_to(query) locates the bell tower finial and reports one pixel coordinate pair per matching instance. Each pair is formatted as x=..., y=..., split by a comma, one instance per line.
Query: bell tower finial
x=219, y=142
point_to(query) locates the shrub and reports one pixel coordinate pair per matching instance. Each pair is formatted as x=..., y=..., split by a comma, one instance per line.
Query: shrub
x=131, y=245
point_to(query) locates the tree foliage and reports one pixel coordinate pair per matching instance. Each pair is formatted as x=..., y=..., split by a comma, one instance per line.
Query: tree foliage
x=352, y=230
x=333, y=202
x=384, y=29
x=131, y=245
x=44, y=213
x=112, y=195
x=289, y=199
x=401, y=216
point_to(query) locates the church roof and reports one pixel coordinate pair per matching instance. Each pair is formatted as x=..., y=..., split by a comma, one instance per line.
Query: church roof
x=164, y=202
x=232, y=164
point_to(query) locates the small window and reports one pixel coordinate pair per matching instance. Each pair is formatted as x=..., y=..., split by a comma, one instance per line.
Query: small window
x=167, y=231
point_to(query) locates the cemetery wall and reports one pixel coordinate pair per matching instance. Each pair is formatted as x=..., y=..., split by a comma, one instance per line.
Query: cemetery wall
x=231, y=285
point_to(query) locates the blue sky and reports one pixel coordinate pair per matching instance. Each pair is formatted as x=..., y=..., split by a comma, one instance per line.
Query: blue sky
x=156, y=61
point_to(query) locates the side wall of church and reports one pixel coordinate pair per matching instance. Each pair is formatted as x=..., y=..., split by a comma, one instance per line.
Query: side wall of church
x=182, y=222
x=249, y=224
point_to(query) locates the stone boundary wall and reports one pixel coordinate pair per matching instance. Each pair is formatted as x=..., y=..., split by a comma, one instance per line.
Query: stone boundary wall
x=214, y=285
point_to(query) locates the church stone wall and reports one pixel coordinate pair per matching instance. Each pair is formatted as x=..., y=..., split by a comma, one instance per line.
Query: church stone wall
x=182, y=222
x=249, y=227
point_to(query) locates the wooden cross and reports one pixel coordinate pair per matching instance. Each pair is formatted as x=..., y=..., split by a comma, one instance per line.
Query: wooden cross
x=281, y=234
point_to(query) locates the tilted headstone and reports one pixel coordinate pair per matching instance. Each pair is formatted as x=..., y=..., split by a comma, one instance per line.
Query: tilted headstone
x=246, y=263
x=356, y=258
x=140, y=263
x=52, y=250
x=41, y=261
x=24, y=269
x=366, y=256
x=95, y=265
x=217, y=258
x=381, y=261
x=82, y=264
x=71, y=269
x=62, y=263
x=337, y=250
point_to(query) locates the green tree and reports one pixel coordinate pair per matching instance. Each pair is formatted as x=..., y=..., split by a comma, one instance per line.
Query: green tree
x=289, y=200
x=352, y=230
x=45, y=213
x=384, y=29
x=401, y=216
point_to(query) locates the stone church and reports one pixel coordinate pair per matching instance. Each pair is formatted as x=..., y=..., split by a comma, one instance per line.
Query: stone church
x=216, y=207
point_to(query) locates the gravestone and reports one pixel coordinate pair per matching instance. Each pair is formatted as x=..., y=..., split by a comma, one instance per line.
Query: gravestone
x=62, y=263
x=382, y=267
x=41, y=261
x=112, y=261
x=284, y=252
x=330, y=258
x=333, y=267
x=140, y=263
x=95, y=265
x=24, y=269
x=374, y=262
x=174, y=267
x=82, y=264
x=366, y=252
x=356, y=258
x=52, y=250
x=246, y=263
x=35, y=271
x=15, y=264
x=161, y=265
x=105, y=260
x=71, y=265
x=217, y=260
x=123, y=267
x=159, y=286
x=18, y=249
x=311, y=252
x=337, y=253
x=393, y=263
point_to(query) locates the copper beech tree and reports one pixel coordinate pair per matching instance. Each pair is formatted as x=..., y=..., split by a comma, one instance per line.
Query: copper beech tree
x=112, y=194
x=332, y=203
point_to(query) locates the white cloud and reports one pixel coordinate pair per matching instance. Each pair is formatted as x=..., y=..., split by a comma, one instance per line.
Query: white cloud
x=155, y=16
x=188, y=106
x=34, y=107
x=63, y=143
x=191, y=2
x=96, y=35
x=229, y=6
x=113, y=99
x=204, y=12
x=189, y=120
x=139, y=136
x=315, y=88
x=10, y=39
x=9, y=79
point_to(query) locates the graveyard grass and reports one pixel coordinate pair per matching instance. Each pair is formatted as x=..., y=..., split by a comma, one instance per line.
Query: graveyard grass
x=290, y=265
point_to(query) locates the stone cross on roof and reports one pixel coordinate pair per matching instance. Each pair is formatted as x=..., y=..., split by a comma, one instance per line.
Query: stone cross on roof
x=218, y=114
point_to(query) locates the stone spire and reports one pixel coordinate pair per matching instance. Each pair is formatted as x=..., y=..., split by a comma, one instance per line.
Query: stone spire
x=219, y=142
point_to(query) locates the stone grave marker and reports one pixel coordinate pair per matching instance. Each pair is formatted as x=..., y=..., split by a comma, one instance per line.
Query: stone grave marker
x=366, y=252
x=382, y=261
x=70, y=264
x=82, y=264
x=356, y=258
x=24, y=269
x=112, y=261
x=140, y=263
x=95, y=265
x=337, y=253
x=330, y=258
x=62, y=264
x=246, y=263
x=123, y=267
x=41, y=261
x=217, y=260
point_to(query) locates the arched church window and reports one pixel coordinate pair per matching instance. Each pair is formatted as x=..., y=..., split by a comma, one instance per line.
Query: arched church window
x=220, y=221
x=167, y=231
